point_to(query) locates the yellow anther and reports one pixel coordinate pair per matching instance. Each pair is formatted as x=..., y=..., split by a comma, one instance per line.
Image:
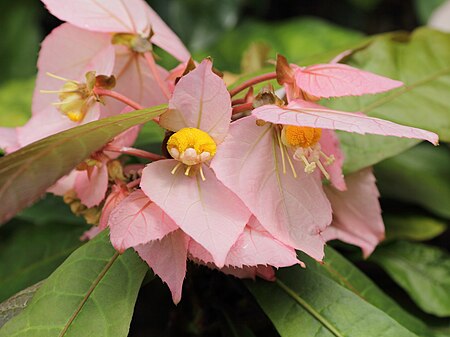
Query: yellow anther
x=300, y=136
x=75, y=116
x=191, y=146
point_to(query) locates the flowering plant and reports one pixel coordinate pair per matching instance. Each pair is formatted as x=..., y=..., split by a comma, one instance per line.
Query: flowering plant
x=250, y=178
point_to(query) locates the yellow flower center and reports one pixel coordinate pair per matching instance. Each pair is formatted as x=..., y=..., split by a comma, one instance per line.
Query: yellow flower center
x=300, y=136
x=191, y=146
x=305, y=142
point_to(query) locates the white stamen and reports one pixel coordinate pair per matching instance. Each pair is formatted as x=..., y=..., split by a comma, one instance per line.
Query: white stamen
x=202, y=174
x=282, y=151
x=59, y=77
x=188, y=169
x=56, y=91
x=309, y=167
x=174, y=153
x=328, y=159
x=204, y=156
x=291, y=165
x=322, y=169
x=176, y=168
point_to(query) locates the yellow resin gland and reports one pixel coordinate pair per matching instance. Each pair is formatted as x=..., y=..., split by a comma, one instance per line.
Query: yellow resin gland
x=191, y=146
x=300, y=136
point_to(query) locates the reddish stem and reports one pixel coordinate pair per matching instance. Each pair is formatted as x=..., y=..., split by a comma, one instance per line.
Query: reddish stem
x=134, y=183
x=134, y=152
x=253, y=81
x=152, y=64
x=243, y=107
x=119, y=97
x=239, y=101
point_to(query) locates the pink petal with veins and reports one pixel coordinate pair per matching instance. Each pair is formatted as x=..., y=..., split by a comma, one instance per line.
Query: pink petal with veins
x=335, y=80
x=135, y=81
x=200, y=100
x=165, y=38
x=124, y=16
x=137, y=220
x=293, y=210
x=167, y=258
x=303, y=113
x=356, y=212
x=118, y=193
x=254, y=247
x=205, y=210
x=70, y=52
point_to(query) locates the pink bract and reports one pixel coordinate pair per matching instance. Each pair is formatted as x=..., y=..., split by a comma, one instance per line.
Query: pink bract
x=200, y=100
x=356, y=212
x=118, y=16
x=303, y=113
x=336, y=80
x=137, y=220
x=205, y=210
x=167, y=258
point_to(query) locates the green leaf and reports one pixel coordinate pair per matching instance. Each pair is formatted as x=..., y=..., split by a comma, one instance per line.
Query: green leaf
x=32, y=253
x=296, y=39
x=15, y=102
x=420, y=176
x=27, y=173
x=412, y=227
x=91, y=294
x=16, y=303
x=342, y=271
x=19, y=45
x=422, y=61
x=422, y=271
x=424, y=8
x=304, y=302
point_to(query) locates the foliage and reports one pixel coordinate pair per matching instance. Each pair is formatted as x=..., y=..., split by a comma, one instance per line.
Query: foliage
x=53, y=284
x=93, y=290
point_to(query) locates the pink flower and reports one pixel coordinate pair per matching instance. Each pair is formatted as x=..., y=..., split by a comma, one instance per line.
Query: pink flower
x=185, y=187
x=289, y=203
x=126, y=30
x=107, y=37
